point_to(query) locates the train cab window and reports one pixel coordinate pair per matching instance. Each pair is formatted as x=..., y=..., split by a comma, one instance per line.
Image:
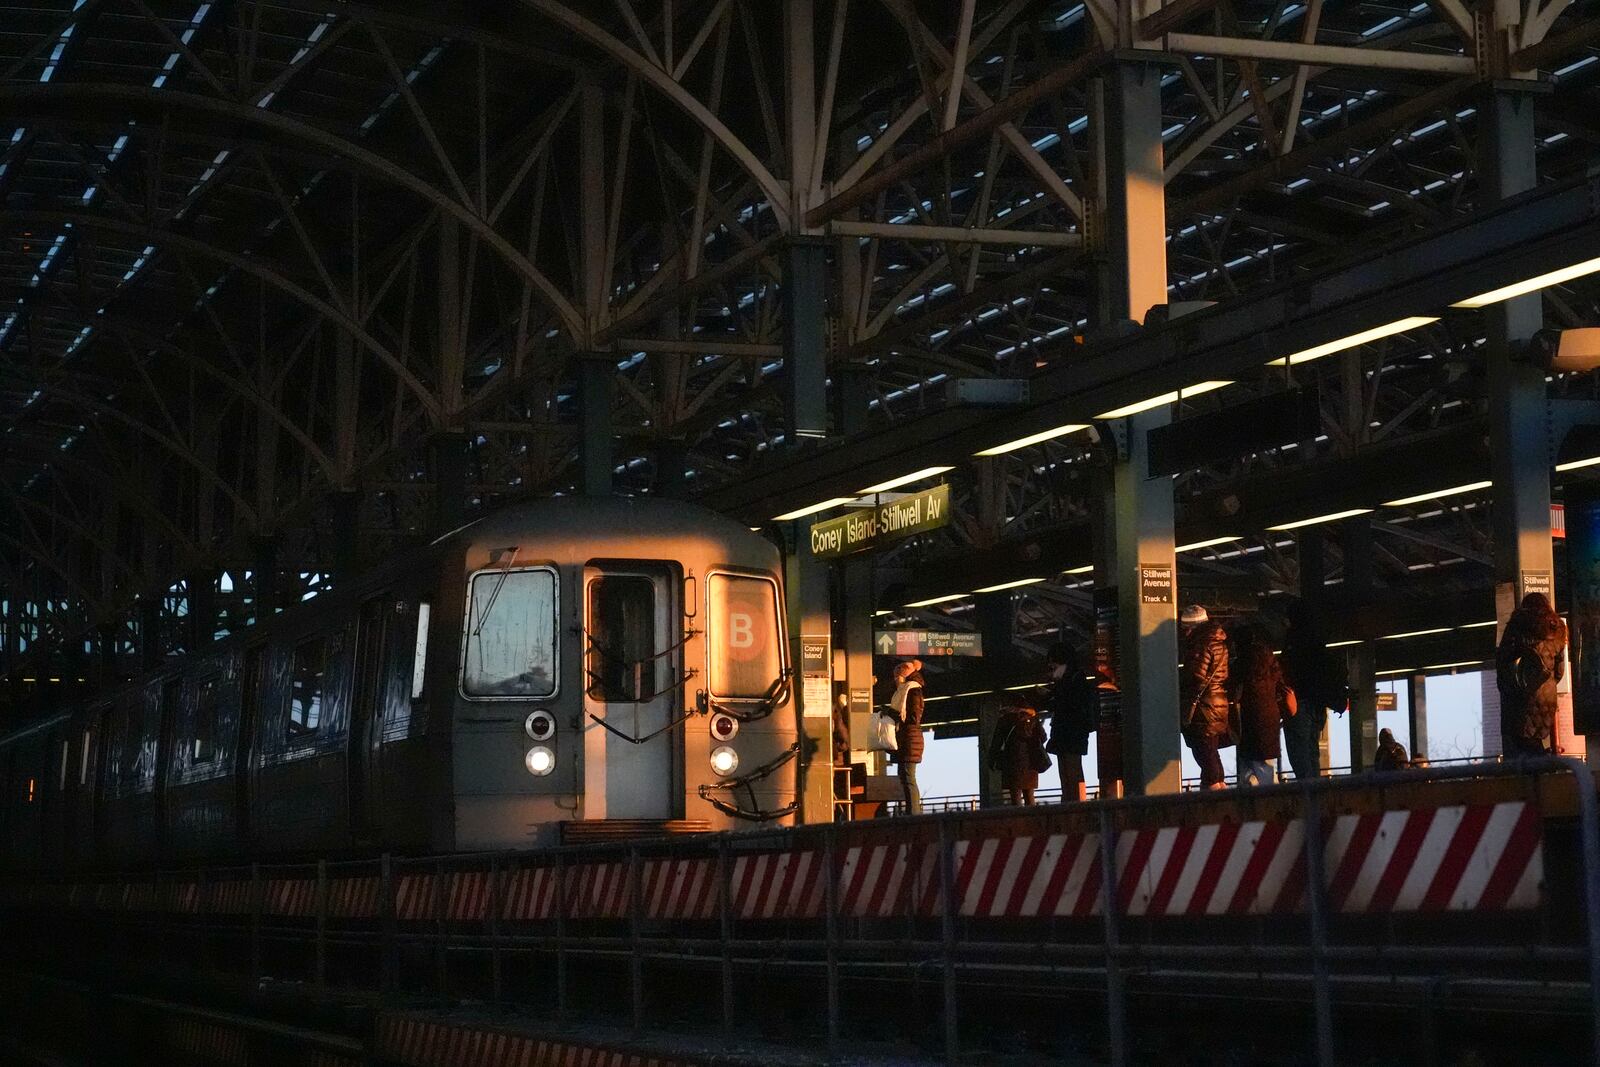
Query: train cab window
x=205, y=723
x=746, y=644
x=511, y=635
x=305, y=688
x=622, y=638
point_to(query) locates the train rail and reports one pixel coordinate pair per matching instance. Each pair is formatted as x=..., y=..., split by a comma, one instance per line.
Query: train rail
x=1320, y=891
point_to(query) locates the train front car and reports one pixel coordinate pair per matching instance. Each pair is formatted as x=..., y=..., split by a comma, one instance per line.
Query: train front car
x=620, y=660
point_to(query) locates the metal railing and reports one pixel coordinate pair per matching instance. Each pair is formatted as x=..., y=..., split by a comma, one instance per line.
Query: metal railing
x=931, y=934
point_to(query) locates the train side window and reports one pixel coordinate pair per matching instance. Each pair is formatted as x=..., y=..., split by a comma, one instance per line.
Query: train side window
x=66, y=752
x=745, y=641
x=305, y=688
x=419, y=662
x=205, y=723
x=83, y=758
x=622, y=638
x=511, y=635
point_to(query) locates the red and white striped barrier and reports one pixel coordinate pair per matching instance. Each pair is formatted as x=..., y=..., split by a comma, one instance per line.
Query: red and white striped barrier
x=423, y=1043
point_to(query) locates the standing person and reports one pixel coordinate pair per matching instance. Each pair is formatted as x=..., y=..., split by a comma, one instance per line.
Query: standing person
x=1318, y=684
x=1070, y=702
x=1528, y=666
x=1390, y=754
x=1017, y=751
x=1203, y=692
x=1265, y=703
x=907, y=705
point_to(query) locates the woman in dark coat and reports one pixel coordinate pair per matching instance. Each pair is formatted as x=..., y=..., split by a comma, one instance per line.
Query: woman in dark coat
x=1528, y=666
x=1017, y=752
x=1317, y=679
x=1070, y=703
x=1203, y=692
x=1265, y=703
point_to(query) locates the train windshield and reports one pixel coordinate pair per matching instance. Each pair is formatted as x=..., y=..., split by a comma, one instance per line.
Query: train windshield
x=511, y=635
x=746, y=645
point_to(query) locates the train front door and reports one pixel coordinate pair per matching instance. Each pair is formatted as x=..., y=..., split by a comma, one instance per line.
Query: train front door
x=632, y=693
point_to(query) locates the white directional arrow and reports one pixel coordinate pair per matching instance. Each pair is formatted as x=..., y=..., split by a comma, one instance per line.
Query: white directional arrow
x=885, y=643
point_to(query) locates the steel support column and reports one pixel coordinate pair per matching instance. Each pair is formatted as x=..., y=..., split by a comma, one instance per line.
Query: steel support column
x=265, y=575
x=806, y=579
x=1141, y=507
x=805, y=338
x=1311, y=547
x=344, y=538
x=1417, y=712
x=151, y=650
x=1519, y=416
x=202, y=627
x=1361, y=660
x=995, y=626
x=594, y=424
x=451, y=481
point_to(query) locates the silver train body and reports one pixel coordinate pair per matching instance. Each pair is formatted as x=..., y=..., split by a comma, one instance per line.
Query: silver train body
x=569, y=661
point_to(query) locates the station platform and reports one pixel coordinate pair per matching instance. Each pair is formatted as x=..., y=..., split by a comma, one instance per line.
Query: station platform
x=1435, y=899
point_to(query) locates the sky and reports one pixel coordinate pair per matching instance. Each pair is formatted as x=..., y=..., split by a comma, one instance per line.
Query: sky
x=1455, y=708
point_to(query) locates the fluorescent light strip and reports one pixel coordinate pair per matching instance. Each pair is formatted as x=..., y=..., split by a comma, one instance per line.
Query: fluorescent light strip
x=938, y=600
x=1415, y=633
x=1087, y=568
x=1375, y=334
x=1019, y=583
x=1478, y=625
x=1340, y=644
x=1213, y=542
x=1165, y=398
x=1555, y=277
x=907, y=479
x=1470, y=487
x=1033, y=439
x=1334, y=517
x=1447, y=666
x=800, y=513
x=1572, y=465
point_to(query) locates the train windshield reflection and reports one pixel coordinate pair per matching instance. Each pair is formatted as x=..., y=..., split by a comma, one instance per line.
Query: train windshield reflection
x=511, y=635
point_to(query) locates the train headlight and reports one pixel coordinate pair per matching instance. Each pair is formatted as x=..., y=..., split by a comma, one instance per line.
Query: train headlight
x=724, y=760
x=724, y=727
x=540, y=761
x=541, y=726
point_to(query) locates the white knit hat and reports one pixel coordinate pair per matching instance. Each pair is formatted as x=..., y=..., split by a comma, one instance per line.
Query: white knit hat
x=1194, y=613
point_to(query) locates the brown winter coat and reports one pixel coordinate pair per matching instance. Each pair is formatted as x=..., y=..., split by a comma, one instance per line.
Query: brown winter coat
x=908, y=738
x=1528, y=719
x=1264, y=702
x=1203, y=685
x=1017, y=749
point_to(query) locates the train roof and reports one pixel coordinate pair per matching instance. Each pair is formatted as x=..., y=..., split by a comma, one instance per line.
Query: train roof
x=664, y=517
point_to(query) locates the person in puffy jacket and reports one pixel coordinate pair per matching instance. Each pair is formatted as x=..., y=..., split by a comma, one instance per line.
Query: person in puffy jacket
x=1017, y=751
x=907, y=704
x=1070, y=703
x=1528, y=665
x=1390, y=754
x=1203, y=692
x=1266, y=703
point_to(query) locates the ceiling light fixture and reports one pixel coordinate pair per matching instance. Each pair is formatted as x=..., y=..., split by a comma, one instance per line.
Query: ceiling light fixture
x=938, y=600
x=1415, y=633
x=1017, y=584
x=906, y=479
x=1377, y=333
x=1555, y=277
x=1470, y=487
x=1333, y=517
x=1087, y=568
x=1575, y=464
x=1211, y=543
x=800, y=513
x=1165, y=398
x=1033, y=439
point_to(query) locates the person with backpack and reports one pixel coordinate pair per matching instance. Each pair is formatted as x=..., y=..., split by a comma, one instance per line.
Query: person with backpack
x=1017, y=750
x=1203, y=692
x=1070, y=703
x=1318, y=683
x=1265, y=703
x=1528, y=665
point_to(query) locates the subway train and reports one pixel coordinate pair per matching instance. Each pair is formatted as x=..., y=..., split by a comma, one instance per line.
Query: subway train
x=568, y=662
